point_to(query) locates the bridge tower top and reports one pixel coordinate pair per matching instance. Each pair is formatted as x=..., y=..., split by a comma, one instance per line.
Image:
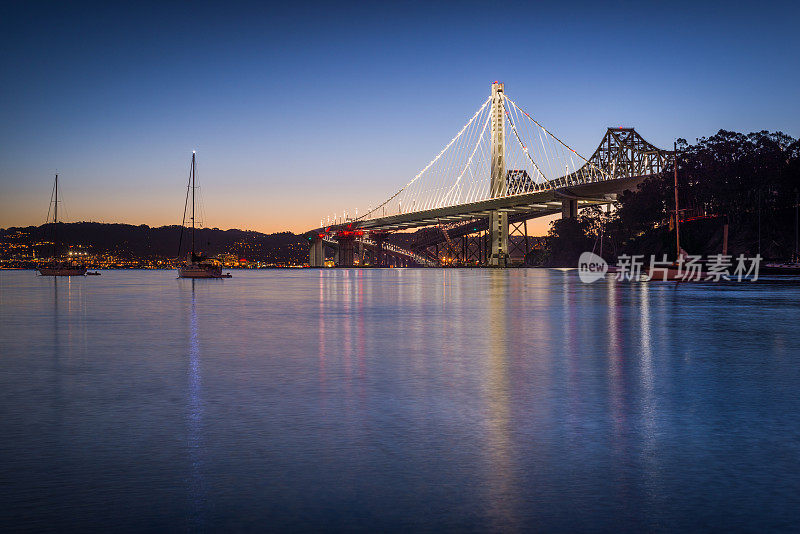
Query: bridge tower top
x=498, y=186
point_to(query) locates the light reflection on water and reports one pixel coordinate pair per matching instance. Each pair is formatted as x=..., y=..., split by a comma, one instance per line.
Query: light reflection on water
x=396, y=399
x=195, y=419
x=500, y=484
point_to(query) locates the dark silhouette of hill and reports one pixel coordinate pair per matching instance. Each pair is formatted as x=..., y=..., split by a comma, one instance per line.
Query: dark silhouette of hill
x=131, y=241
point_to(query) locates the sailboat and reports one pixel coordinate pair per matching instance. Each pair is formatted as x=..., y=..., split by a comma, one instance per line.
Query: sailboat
x=196, y=265
x=676, y=272
x=56, y=266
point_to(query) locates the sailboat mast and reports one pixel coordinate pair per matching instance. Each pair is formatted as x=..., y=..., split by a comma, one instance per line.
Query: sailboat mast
x=55, y=220
x=677, y=214
x=192, y=205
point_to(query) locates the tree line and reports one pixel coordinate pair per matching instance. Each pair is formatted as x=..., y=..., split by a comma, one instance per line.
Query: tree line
x=748, y=181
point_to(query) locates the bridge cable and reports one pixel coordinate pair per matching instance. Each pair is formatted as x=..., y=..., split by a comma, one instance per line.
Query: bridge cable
x=586, y=162
x=434, y=160
x=524, y=148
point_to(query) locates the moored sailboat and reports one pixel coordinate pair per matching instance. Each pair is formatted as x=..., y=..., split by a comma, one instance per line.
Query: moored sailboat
x=679, y=270
x=56, y=266
x=196, y=265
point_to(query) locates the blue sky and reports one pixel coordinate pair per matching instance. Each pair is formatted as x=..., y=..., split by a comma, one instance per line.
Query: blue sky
x=301, y=110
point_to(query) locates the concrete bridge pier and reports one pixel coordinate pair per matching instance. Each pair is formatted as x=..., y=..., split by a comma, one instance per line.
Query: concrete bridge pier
x=359, y=253
x=346, y=250
x=316, y=254
x=498, y=238
x=569, y=208
x=379, y=255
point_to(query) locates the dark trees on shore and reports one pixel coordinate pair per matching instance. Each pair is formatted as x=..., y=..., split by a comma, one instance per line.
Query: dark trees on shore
x=750, y=182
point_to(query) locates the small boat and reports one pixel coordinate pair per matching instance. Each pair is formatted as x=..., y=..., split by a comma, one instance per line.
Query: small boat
x=196, y=265
x=56, y=266
x=63, y=268
x=95, y=273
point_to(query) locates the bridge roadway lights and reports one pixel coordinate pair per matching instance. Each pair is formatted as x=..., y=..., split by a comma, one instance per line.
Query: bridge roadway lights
x=316, y=254
x=569, y=208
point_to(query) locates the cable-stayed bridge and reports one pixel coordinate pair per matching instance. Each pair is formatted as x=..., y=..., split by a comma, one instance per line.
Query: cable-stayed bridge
x=501, y=169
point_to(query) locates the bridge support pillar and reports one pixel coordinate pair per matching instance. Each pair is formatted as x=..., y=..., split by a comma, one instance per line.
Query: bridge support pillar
x=359, y=253
x=498, y=237
x=569, y=208
x=316, y=254
x=379, y=256
x=346, y=250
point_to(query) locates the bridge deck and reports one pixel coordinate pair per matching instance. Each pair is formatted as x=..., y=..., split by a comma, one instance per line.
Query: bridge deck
x=536, y=204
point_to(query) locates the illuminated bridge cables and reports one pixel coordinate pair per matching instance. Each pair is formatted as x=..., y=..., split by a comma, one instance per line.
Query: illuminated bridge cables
x=546, y=157
x=566, y=158
x=476, y=177
x=542, y=182
x=428, y=190
x=446, y=175
x=523, y=173
x=457, y=192
x=395, y=204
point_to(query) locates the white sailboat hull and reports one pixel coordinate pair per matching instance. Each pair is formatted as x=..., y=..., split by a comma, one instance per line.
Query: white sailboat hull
x=195, y=270
x=62, y=271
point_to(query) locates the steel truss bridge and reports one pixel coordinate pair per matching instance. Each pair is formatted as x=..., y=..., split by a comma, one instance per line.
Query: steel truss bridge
x=501, y=169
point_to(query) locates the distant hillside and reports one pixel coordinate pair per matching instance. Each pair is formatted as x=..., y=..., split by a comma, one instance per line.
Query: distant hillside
x=129, y=241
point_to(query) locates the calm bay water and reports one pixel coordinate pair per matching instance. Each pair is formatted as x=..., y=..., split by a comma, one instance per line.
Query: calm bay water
x=373, y=400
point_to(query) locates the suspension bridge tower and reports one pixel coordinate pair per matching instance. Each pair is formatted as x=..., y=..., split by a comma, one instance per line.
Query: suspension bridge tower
x=498, y=220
